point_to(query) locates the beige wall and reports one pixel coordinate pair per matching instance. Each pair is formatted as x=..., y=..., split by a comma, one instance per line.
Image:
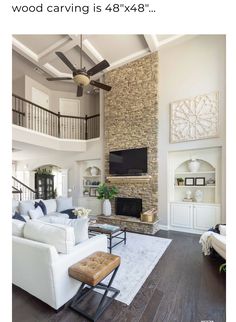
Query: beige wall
x=89, y=104
x=192, y=68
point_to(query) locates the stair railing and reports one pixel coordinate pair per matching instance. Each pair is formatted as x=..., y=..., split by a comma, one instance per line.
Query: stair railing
x=21, y=191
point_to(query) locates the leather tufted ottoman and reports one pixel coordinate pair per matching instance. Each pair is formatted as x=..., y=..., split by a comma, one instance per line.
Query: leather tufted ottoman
x=91, y=271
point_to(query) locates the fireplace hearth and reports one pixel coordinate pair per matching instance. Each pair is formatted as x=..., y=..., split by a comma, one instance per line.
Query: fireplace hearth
x=131, y=207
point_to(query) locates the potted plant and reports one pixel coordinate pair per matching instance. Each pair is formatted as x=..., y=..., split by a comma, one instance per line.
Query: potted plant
x=106, y=193
x=180, y=181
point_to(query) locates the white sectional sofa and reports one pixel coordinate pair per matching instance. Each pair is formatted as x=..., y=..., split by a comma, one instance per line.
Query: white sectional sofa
x=43, y=250
x=43, y=272
x=23, y=207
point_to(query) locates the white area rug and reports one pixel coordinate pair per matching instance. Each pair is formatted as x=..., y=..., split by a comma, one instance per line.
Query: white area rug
x=138, y=258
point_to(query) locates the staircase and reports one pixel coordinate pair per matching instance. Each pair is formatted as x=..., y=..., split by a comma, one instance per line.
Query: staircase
x=21, y=191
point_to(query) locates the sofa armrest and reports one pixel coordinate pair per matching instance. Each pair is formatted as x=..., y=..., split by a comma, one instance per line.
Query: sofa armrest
x=62, y=282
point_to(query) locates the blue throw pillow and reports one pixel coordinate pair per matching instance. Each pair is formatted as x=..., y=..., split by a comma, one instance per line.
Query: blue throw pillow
x=42, y=206
x=18, y=217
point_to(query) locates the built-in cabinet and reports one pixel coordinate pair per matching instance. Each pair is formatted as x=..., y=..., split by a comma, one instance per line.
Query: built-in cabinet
x=193, y=217
x=90, y=178
x=194, y=192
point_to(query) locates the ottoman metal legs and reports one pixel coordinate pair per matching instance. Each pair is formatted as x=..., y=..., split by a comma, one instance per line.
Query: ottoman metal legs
x=103, y=303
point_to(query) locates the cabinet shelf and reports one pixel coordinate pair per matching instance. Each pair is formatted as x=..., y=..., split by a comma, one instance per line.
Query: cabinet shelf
x=200, y=187
x=190, y=173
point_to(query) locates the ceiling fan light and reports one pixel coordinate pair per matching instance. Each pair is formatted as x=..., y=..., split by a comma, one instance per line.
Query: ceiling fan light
x=81, y=79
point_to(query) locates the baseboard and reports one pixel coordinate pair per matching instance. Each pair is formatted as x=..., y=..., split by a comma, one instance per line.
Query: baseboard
x=163, y=227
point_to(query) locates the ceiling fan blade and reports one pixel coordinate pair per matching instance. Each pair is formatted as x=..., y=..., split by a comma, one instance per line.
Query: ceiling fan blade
x=100, y=85
x=79, y=91
x=65, y=61
x=98, y=68
x=58, y=78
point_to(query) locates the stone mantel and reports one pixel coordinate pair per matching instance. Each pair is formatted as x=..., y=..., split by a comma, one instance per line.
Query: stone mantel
x=130, y=179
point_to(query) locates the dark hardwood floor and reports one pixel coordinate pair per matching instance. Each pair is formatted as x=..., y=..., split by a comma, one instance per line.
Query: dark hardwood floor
x=185, y=286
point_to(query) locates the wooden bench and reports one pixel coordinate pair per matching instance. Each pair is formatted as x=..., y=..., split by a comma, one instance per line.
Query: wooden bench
x=90, y=271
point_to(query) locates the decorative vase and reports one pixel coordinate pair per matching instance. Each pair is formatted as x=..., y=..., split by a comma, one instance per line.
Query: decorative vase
x=94, y=171
x=188, y=194
x=106, y=207
x=193, y=165
x=198, y=195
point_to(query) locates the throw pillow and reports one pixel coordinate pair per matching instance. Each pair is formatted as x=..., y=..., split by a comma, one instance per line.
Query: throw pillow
x=60, y=236
x=70, y=213
x=42, y=206
x=25, y=206
x=36, y=213
x=50, y=205
x=222, y=229
x=17, y=227
x=18, y=217
x=64, y=203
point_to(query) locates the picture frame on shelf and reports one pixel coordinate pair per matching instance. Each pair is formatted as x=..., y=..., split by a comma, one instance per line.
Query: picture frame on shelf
x=200, y=181
x=93, y=192
x=189, y=181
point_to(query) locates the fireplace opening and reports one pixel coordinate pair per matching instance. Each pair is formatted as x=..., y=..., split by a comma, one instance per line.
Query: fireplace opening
x=128, y=207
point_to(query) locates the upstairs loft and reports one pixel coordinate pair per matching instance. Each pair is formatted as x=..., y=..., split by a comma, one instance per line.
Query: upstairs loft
x=32, y=122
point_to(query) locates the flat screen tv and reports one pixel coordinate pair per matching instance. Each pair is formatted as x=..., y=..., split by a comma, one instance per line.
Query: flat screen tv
x=128, y=162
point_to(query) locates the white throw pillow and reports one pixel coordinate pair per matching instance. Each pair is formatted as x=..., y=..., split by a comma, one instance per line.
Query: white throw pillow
x=80, y=226
x=36, y=213
x=17, y=227
x=222, y=229
x=25, y=206
x=15, y=206
x=60, y=236
x=51, y=205
x=64, y=203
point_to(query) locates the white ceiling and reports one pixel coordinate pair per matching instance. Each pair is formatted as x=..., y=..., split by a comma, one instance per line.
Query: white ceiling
x=39, y=50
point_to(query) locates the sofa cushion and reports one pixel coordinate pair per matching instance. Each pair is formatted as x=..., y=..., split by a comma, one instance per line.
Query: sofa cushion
x=79, y=225
x=18, y=217
x=60, y=236
x=17, y=227
x=54, y=214
x=25, y=206
x=64, y=203
x=36, y=213
x=50, y=205
x=41, y=205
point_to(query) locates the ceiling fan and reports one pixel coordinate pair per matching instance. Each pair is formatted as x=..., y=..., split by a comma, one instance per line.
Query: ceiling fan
x=80, y=76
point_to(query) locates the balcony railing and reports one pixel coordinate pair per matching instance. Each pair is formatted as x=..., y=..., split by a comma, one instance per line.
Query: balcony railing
x=39, y=119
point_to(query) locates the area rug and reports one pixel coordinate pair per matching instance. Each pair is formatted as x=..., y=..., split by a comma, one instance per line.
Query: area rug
x=138, y=258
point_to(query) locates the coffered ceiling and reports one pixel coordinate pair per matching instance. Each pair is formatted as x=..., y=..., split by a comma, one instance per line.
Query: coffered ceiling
x=38, y=51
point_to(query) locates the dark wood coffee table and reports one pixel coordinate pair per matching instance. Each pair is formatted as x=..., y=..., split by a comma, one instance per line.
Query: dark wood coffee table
x=111, y=233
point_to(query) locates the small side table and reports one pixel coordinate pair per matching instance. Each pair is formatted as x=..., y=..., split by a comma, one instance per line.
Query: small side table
x=117, y=233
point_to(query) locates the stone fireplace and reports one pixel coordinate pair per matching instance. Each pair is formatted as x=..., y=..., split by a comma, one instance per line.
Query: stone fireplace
x=131, y=121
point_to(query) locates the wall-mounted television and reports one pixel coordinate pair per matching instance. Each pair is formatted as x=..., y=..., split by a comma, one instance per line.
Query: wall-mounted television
x=128, y=162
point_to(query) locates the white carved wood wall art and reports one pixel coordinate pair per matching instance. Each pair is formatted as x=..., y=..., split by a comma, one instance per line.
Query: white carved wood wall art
x=194, y=119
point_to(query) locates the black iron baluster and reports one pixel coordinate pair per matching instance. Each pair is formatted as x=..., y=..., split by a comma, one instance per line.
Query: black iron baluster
x=86, y=127
x=59, y=124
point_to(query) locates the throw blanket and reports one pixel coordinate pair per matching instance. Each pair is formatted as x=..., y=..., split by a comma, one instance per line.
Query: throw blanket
x=205, y=241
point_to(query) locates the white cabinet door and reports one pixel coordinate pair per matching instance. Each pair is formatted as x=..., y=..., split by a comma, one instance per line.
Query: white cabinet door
x=181, y=215
x=205, y=216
